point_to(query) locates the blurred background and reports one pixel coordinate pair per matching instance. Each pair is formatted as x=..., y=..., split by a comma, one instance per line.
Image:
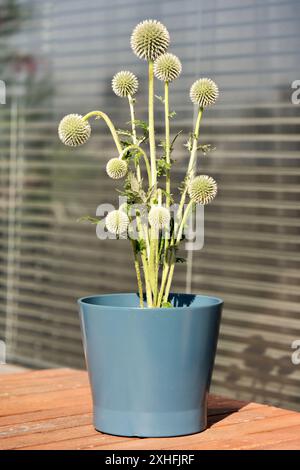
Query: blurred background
x=58, y=57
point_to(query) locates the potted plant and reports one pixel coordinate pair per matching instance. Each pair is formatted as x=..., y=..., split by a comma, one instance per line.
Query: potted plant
x=150, y=355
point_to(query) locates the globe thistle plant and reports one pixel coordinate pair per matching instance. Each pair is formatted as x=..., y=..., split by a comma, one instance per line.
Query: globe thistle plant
x=73, y=130
x=150, y=39
x=117, y=222
x=204, y=92
x=116, y=168
x=125, y=84
x=159, y=217
x=202, y=189
x=167, y=67
x=147, y=176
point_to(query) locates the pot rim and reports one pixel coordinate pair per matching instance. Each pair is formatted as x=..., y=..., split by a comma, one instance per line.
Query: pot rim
x=84, y=300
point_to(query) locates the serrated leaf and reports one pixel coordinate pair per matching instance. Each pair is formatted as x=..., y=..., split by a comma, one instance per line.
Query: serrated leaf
x=206, y=148
x=134, y=184
x=124, y=132
x=160, y=98
x=175, y=138
x=88, y=218
x=141, y=124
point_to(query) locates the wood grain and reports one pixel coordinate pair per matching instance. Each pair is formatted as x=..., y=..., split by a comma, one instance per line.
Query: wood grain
x=51, y=409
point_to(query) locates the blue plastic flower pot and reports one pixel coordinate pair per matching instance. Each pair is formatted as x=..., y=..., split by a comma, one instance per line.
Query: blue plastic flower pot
x=150, y=369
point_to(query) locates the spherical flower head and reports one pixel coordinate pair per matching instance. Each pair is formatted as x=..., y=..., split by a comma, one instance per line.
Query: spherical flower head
x=167, y=67
x=204, y=92
x=202, y=189
x=150, y=39
x=159, y=217
x=125, y=83
x=116, y=168
x=73, y=130
x=117, y=222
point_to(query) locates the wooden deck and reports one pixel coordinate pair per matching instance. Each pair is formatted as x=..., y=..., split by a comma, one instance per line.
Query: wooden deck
x=51, y=409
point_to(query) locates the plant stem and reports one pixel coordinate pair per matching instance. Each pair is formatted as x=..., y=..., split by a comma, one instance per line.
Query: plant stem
x=137, y=147
x=183, y=222
x=191, y=168
x=140, y=228
x=151, y=124
x=170, y=275
x=134, y=138
x=167, y=143
x=168, y=191
x=110, y=125
x=147, y=280
x=138, y=274
x=153, y=263
x=180, y=221
x=163, y=279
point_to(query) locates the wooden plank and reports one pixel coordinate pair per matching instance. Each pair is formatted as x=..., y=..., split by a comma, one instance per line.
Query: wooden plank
x=84, y=406
x=38, y=374
x=43, y=386
x=42, y=401
x=52, y=410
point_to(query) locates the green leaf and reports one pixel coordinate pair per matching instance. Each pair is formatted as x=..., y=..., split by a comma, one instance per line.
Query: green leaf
x=160, y=98
x=189, y=142
x=140, y=245
x=141, y=124
x=167, y=305
x=134, y=184
x=88, y=218
x=206, y=148
x=126, y=143
x=174, y=139
x=133, y=190
x=162, y=166
x=124, y=132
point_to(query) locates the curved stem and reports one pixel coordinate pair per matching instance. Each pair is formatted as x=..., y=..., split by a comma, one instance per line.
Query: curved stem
x=134, y=137
x=151, y=124
x=137, y=147
x=110, y=125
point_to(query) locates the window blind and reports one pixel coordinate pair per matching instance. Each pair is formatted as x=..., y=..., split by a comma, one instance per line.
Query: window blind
x=59, y=57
